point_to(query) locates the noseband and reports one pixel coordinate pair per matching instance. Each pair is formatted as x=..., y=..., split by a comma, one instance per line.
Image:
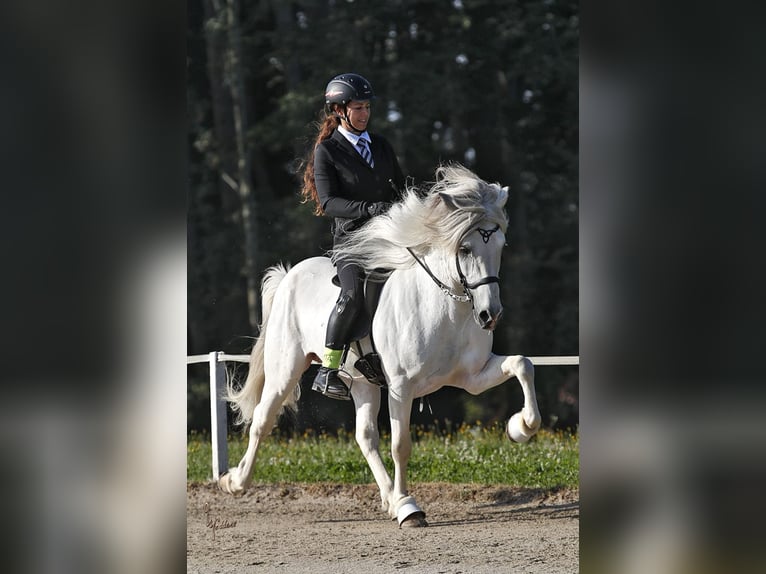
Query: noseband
x=467, y=295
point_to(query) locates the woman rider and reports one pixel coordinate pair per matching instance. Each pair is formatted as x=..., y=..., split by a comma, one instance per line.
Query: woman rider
x=351, y=175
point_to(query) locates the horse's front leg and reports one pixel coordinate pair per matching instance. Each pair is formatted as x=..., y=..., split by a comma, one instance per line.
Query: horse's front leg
x=367, y=401
x=403, y=506
x=499, y=369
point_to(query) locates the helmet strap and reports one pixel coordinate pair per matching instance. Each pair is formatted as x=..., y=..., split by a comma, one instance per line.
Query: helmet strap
x=344, y=117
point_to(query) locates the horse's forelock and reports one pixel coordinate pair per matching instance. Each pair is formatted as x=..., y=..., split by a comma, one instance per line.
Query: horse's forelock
x=477, y=201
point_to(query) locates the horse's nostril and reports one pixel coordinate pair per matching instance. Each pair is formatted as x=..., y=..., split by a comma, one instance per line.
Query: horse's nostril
x=485, y=318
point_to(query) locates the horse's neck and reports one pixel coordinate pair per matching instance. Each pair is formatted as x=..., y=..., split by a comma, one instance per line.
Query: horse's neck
x=421, y=294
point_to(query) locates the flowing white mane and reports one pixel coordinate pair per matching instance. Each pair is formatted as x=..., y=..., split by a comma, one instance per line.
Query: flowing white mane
x=457, y=203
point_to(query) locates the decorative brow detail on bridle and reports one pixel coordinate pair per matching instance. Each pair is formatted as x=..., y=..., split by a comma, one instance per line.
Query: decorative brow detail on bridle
x=487, y=233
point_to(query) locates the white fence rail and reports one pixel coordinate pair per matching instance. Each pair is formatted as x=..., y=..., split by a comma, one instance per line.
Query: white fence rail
x=218, y=422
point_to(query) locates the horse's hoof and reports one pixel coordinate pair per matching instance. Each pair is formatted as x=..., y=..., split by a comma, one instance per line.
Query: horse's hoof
x=224, y=484
x=416, y=520
x=517, y=430
x=411, y=513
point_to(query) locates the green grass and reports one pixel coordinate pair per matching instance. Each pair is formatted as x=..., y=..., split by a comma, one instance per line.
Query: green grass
x=468, y=455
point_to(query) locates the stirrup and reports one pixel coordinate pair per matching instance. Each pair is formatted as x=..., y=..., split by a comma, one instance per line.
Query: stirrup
x=335, y=390
x=369, y=365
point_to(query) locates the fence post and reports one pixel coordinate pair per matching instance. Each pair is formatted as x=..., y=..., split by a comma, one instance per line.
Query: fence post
x=218, y=424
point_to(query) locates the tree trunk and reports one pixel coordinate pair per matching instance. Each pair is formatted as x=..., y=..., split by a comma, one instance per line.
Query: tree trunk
x=220, y=98
x=244, y=178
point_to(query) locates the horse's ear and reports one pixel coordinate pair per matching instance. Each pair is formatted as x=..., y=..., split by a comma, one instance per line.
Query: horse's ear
x=502, y=196
x=448, y=201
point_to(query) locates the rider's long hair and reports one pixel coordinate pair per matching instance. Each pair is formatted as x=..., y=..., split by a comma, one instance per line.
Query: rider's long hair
x=325, y=127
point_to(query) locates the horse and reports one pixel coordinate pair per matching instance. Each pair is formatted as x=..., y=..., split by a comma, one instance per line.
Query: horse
x=440, y=254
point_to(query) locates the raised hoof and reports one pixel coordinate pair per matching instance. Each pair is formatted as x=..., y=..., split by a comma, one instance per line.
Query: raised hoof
x=518, y=431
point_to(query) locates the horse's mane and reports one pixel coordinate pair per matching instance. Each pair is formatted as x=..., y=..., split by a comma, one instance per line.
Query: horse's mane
x=455, y=204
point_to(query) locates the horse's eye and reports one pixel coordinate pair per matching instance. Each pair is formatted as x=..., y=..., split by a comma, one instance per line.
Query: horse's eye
x=464, y=250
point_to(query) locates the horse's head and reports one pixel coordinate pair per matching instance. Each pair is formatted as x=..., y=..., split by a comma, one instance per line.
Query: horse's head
x=479, y=251
x=478, y=267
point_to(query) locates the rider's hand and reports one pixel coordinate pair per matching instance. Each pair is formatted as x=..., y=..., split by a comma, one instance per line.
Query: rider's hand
x=377, y=208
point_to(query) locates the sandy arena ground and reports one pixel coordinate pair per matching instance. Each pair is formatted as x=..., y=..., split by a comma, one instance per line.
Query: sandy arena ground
x=336, y=529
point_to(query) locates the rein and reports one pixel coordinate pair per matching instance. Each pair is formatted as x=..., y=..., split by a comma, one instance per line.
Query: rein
x=445, y=288
x=466, y=296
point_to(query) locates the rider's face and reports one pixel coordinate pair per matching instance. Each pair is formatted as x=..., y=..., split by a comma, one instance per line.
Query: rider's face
x=358, y=114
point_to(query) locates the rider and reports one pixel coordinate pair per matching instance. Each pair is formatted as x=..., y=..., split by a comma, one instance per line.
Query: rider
x=350, y=175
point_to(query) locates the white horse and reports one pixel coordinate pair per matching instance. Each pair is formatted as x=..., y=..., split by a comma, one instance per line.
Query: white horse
x=433, y=326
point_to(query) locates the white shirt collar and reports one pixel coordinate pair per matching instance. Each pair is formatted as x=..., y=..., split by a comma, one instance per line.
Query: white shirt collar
x=353, y=138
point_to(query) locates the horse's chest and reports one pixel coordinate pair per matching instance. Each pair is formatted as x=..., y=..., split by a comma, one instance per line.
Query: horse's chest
x=437, y=360
x=430, y=338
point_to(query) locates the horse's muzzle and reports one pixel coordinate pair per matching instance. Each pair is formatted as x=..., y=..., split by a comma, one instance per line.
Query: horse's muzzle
x=487, y=321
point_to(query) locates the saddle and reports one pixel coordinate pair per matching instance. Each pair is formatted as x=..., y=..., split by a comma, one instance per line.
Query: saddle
x=369, y=365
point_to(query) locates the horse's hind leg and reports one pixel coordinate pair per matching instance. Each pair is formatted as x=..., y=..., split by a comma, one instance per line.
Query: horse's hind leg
x=281, y=379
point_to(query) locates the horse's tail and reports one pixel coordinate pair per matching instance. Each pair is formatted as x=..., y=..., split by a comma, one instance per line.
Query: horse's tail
x=244, y=400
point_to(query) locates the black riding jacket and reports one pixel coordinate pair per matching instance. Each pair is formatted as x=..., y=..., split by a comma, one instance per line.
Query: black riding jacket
x=346, y=184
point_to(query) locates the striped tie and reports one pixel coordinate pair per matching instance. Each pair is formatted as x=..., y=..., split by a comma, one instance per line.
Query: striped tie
x=365, y=151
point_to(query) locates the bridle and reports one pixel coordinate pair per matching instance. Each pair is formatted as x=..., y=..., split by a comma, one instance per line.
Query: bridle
x=467, y=295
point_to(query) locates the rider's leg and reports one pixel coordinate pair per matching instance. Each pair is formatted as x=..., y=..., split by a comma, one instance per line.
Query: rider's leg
x=339, y=328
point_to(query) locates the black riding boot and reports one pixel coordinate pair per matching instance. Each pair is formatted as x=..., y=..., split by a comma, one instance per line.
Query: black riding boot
x=329, y=383
x=339, y=326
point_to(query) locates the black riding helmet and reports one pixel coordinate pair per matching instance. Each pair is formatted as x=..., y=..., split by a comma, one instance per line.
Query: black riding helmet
x=346, y=87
